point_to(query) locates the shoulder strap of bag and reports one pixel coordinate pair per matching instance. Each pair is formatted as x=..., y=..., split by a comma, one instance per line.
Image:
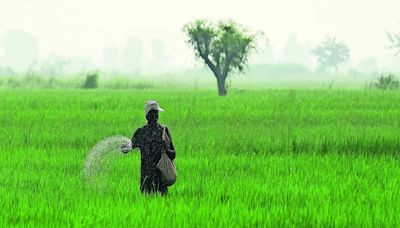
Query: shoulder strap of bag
x=164, y=134
x=163, y=131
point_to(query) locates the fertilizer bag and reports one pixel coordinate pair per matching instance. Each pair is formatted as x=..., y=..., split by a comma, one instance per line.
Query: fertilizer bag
x=166, y=166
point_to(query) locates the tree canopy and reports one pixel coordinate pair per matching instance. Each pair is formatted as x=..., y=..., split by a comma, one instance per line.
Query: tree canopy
x=331, y=53
x=395, y=40
x=224, y=47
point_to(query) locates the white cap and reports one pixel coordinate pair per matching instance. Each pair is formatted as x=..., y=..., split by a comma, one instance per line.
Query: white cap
x=152, y=105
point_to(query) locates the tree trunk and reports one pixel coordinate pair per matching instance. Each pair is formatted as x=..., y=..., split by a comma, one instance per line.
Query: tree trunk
x=221, y=86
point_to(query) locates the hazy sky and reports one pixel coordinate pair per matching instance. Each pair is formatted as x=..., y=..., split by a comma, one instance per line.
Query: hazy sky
x=86, y=27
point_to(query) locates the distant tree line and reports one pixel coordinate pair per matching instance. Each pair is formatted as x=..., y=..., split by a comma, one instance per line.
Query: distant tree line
x=224, y=47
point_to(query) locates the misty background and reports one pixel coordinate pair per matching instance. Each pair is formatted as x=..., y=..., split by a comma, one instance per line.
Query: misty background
x=124, y=37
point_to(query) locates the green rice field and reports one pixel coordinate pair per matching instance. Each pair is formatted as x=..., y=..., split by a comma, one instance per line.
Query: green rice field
x=255, y=158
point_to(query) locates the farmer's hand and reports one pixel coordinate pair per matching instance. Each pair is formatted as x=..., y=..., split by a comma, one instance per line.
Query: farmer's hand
x=126, y=147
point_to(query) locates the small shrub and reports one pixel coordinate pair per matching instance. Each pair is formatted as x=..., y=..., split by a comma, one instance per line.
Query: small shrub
x=386, y=82
x=91, y=80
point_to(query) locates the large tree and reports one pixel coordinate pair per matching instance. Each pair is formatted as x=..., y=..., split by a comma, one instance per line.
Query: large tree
x=331, y=53
x=224, y=47
x=395, y=40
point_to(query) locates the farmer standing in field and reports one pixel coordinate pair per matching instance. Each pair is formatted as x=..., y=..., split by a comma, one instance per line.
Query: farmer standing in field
x=149, y=140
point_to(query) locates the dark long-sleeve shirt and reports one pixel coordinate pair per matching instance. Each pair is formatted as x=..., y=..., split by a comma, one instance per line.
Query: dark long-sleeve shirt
x=149, y=140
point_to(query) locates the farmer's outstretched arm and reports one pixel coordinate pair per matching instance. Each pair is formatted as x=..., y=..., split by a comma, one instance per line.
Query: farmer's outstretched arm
x=135, y=143
x=136, y=139
x=171, y=151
